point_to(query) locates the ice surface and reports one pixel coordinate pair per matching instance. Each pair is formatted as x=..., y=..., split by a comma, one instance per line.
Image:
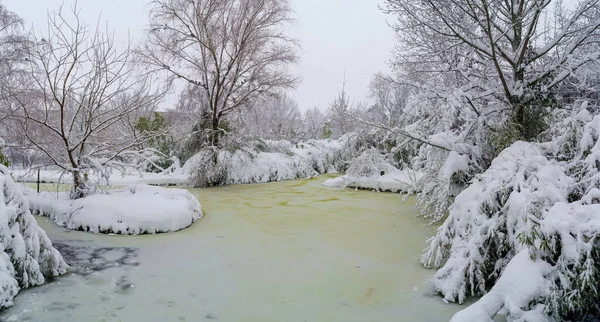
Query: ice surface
x=292, y=251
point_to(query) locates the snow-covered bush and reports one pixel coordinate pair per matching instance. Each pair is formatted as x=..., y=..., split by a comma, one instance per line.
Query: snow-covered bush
x=539, y=198
x=206, y=169
x=372, y=171
x=489, y=221
x=447, y=168
x=259, y=161
x=369, y=164
x=27, y=257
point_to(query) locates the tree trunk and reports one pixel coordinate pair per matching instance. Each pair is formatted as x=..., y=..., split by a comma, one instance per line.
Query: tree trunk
x=77, y=190
x=214, y=135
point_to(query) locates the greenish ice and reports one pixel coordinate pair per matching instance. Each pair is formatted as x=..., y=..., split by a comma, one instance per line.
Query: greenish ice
x=292, y=251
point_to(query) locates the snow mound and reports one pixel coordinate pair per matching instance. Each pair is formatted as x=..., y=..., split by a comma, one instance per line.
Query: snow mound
x=27, y=257
x=523, y=280
x=130, y=211
x=372, y=172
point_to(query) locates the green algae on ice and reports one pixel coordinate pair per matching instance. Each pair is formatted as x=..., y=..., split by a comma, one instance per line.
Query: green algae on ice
x=285, y=251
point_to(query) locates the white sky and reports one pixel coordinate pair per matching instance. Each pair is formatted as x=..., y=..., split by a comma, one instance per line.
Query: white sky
x=335, y=35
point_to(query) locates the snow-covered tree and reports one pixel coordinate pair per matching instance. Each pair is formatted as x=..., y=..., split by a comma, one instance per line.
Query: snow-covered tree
x=342, y=114
x=500, y=49
x=485, y=74
x=388, y=100
x=276, y=117
x=314, y=123
x=13, y=46
x=191, y=114
x=156, y=129
x=78, y=92
x=234, y=51
x=536, y=197
x=27, y=257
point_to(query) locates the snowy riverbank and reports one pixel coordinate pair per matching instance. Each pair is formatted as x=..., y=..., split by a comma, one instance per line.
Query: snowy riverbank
x=129, y=211
x=256, y=162
x=117, y=179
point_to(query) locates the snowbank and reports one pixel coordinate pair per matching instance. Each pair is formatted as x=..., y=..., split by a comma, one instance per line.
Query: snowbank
x=371, y=171
x=27, y=257
x=130, y=211
x=523, y=281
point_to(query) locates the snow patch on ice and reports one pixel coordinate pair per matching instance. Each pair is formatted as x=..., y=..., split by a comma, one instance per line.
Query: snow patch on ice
x=134, y=210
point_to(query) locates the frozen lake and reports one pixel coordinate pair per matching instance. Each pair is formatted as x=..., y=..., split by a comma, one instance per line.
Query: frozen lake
x=293, y=251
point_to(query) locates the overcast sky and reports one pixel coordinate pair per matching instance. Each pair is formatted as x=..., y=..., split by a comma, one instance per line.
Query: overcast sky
x=335, y=35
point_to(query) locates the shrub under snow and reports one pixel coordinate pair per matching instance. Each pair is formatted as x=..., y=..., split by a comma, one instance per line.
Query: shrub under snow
x=266, y=161
x=536, y=209
x=27, y=257
x=372, y=171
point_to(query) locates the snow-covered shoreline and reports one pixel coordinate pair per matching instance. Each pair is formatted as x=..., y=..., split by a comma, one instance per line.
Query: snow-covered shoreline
x=259, y=162
x=134, y=210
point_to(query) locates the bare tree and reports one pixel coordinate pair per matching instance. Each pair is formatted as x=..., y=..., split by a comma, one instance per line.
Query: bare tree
x=343, y=115
x=13, y=46
x=314, y=123
x=275, y=117
x=79, y=91
x=234, y=50
x=388, y=99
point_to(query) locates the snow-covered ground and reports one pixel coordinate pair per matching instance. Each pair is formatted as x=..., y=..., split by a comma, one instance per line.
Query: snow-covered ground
x=117, y=179
x=27, y=257
x=134, y=210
